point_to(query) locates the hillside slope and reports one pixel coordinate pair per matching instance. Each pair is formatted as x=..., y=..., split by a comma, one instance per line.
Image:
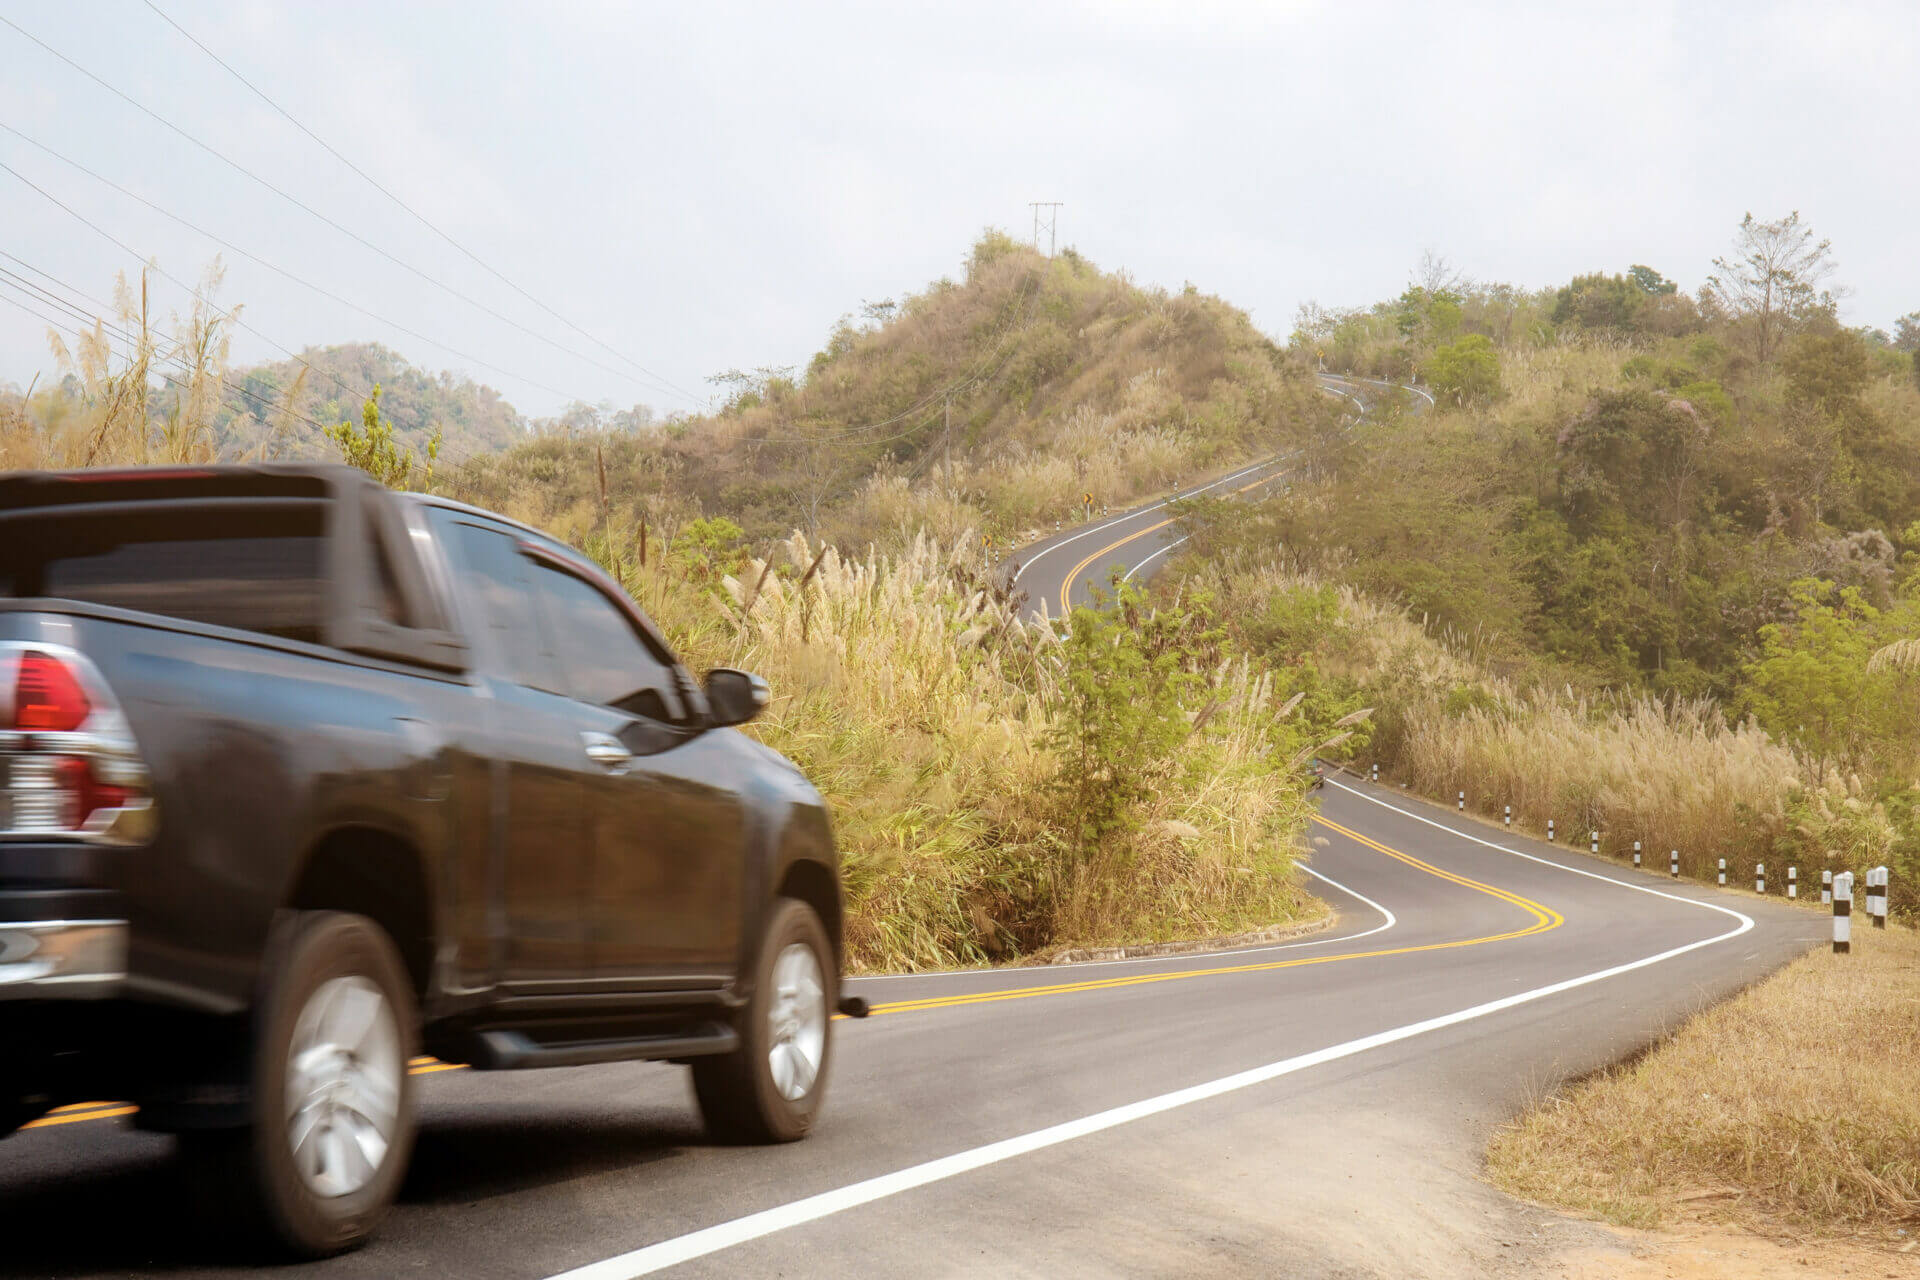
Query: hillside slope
x=993, y=403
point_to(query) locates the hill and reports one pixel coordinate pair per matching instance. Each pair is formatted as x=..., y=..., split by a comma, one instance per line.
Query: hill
x=990, y=403
x=473, y=417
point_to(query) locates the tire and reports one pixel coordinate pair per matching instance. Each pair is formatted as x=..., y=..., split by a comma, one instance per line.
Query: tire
x=763, y=1091
x=332, y=1038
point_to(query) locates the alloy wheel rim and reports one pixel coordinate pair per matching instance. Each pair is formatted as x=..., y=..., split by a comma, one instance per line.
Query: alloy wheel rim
x=796, y=1021
x=343, y=1086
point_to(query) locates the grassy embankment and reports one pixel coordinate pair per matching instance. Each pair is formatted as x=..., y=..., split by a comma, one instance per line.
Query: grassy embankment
x=971, y=762
x=1789, y=1109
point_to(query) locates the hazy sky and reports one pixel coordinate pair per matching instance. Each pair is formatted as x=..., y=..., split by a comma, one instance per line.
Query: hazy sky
x=708, y=185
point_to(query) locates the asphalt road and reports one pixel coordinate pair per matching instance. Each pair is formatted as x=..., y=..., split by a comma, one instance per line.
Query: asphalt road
x=1060, y=572
x=1315, y=1108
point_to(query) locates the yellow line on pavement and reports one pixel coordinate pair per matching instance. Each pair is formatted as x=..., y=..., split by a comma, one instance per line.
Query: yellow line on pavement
x=1073, y=575
x=1544, y=918
x=75, y=1112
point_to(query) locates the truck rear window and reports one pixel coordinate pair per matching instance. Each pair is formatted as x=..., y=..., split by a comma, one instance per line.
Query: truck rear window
x=246, y=565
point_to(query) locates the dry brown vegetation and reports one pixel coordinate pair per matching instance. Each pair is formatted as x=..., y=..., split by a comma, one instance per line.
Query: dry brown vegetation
x=1791, y=1106
x=992, y=404
x=907, y=687
x=919, y=701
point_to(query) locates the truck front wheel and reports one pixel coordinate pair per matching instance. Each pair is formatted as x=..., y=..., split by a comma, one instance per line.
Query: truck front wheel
x=770, y=1088
x=331, y=1110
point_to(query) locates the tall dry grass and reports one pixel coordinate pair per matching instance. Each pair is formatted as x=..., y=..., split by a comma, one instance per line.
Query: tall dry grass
x=917, y=700
x=1792, y=1104
x=1673, y=775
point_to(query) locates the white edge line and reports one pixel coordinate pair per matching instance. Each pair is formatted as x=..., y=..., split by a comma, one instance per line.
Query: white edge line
x=1091, y=529
x=1140, y=511
x=1155, y=556
x=1188, y=957
x=754, y=1226
x=1747, y=921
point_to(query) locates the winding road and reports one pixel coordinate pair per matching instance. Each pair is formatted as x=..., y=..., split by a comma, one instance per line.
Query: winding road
x=1060, y=572
x=1312, y=1108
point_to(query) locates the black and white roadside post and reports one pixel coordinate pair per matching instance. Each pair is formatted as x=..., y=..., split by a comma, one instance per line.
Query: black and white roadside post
x=1509, y=817
x=1759, y=877
x=1723, y=873
x=1673, y=863
x=1376, y=773
x=1843, y=913
x=1877, y=896
x=1826, y=888
x=1549, y=830
x=1593, y=842
x=1636, y=855
x=1793, y=882
x=1463, y=802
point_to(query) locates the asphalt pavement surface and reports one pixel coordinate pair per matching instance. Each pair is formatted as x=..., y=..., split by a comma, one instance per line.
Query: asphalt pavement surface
x=1062, y=571
x=1311, y=1108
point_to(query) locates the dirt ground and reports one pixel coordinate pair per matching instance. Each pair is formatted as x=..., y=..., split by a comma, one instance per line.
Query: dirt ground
x=1714, y=1253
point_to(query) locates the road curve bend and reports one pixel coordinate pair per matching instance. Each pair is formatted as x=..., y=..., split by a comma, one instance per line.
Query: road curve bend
x=1314, y=1107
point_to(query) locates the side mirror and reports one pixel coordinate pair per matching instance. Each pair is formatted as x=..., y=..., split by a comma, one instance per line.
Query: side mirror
x=734, y=697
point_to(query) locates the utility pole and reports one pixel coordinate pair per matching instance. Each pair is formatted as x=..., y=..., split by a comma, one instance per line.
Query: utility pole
x=1052, y=221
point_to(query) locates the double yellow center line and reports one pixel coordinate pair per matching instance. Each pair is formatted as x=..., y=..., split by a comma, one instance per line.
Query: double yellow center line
x=1544, y=918
x=1073, y=575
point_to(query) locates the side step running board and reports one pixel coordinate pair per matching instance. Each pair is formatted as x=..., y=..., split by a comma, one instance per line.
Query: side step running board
x=513, y=1050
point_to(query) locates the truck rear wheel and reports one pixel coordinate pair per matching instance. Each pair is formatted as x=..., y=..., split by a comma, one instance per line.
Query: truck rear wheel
x=770, y=1088
x=331, y=1112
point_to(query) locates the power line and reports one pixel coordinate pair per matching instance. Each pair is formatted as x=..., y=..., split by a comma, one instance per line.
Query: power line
x=417, y=215
x=353, y=235
x=131, y=344
x=228, y=316
x=307, y=284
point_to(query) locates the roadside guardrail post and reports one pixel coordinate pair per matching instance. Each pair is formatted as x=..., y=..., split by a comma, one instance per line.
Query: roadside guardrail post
x=1593, y=841
x=1376, y=773
x=1549, y=830
x=1673, y=862
x=1843, y=913
x=1723, y=873
x=1759, y=877
x=1793, y=882
x=1636, y=855
x=1826, y=888
x=1509, y=817
x=1877, y=896
x=1463, y=802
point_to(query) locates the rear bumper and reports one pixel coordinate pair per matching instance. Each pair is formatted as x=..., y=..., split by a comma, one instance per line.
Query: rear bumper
x=62, y=959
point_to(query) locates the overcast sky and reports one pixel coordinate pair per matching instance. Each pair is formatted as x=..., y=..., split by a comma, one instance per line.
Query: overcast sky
x=703, y=186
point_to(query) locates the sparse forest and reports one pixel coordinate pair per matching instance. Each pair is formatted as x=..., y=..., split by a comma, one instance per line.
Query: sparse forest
x=1655, y=542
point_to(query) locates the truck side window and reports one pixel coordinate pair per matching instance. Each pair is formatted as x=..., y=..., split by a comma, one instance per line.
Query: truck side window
x=494, y=575
x=602, y=658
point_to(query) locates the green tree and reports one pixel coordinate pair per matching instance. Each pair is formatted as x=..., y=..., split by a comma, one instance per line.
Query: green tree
x=1815, y=683
x=1906, y=332
x=1466, y=372
x=1130, y=673
x=1651, y=282
x=1600, y=301
x=372, y=448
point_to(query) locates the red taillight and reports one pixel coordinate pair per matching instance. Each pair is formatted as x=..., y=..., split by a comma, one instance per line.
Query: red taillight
x=47, y=697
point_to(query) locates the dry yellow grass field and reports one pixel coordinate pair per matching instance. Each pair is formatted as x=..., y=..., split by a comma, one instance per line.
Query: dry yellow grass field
x=1793, y=1110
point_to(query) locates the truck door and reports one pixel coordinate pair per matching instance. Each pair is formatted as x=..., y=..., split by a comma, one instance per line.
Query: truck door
x=667, y=819
x=539, y=855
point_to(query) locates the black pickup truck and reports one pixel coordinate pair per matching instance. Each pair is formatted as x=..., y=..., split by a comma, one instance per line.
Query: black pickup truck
x=301, y=779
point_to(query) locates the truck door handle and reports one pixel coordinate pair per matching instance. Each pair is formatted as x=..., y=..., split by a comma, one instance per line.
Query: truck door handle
x=607, y=751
